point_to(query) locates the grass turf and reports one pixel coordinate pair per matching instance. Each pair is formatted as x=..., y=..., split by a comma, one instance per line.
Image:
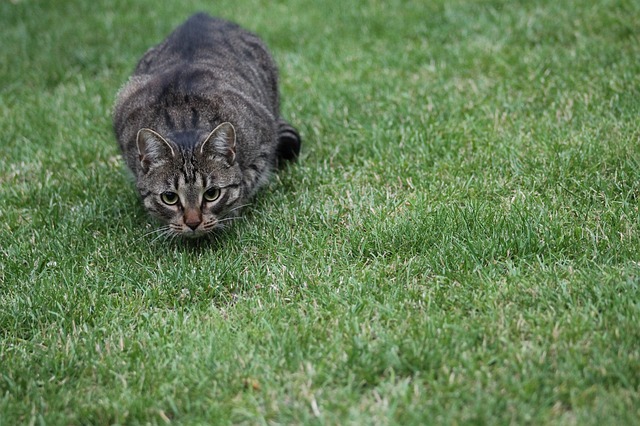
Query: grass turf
x=459, y=242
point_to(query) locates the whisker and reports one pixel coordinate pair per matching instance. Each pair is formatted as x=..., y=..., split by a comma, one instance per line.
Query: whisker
x=158, y=237
x=166, y=234
x=158, y=230
x=230, y=219
x=222, y=223
x=239, y=207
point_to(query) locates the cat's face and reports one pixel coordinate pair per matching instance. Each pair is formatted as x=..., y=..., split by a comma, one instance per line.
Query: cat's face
x=193, y=191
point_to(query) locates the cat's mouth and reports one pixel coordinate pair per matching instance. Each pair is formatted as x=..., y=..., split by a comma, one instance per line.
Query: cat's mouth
x=192, y=232
x=189, y=233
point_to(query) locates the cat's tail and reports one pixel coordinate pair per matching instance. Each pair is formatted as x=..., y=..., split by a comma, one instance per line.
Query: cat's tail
x=288, y=141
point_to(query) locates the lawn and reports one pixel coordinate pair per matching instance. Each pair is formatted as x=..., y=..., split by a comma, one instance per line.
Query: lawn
x=458, y=243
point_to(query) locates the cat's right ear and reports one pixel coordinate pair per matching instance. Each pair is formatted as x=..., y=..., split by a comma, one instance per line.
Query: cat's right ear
x=153, y=149
x=221, y=141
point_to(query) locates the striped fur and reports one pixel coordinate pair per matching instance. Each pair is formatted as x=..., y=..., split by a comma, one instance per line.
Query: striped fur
x=199, y=125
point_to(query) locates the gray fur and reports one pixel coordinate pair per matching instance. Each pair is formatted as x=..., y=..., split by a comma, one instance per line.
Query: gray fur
x=198, y=118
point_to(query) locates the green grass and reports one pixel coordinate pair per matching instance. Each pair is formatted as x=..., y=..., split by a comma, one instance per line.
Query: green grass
x=459, y=242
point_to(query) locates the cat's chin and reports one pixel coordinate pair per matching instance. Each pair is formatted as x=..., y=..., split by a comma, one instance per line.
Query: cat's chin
x=192, y=235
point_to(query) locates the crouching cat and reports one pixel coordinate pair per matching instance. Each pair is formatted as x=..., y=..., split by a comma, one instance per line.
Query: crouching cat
x=199, y=125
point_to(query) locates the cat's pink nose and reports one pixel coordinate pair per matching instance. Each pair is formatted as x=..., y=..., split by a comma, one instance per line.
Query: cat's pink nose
x=193, y=224
x=192, y=218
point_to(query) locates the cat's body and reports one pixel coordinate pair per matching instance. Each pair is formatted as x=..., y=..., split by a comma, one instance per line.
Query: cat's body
x=199, y=124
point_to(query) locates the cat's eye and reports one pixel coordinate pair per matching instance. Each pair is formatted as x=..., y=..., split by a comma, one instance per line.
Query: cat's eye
x=169, y=198
x=212, y=194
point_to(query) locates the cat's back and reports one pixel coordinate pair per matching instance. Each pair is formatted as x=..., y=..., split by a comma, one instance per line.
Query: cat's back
x=207, y=64
x=203, y=39
x=201, y=35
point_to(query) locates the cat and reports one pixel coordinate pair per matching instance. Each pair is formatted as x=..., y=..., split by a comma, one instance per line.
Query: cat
x=199, y=126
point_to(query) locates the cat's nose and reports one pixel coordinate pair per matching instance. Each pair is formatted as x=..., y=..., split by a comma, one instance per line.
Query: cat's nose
x=194, y=224
x=192, y=219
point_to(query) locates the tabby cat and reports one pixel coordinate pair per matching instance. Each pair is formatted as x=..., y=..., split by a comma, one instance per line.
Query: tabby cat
x=199, y=126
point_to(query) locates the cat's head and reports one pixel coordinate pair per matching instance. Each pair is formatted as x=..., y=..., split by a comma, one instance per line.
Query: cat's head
x=192, y=188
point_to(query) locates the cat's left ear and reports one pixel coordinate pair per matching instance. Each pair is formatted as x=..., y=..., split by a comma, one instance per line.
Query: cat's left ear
x=153, y=149
x=221, y=141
